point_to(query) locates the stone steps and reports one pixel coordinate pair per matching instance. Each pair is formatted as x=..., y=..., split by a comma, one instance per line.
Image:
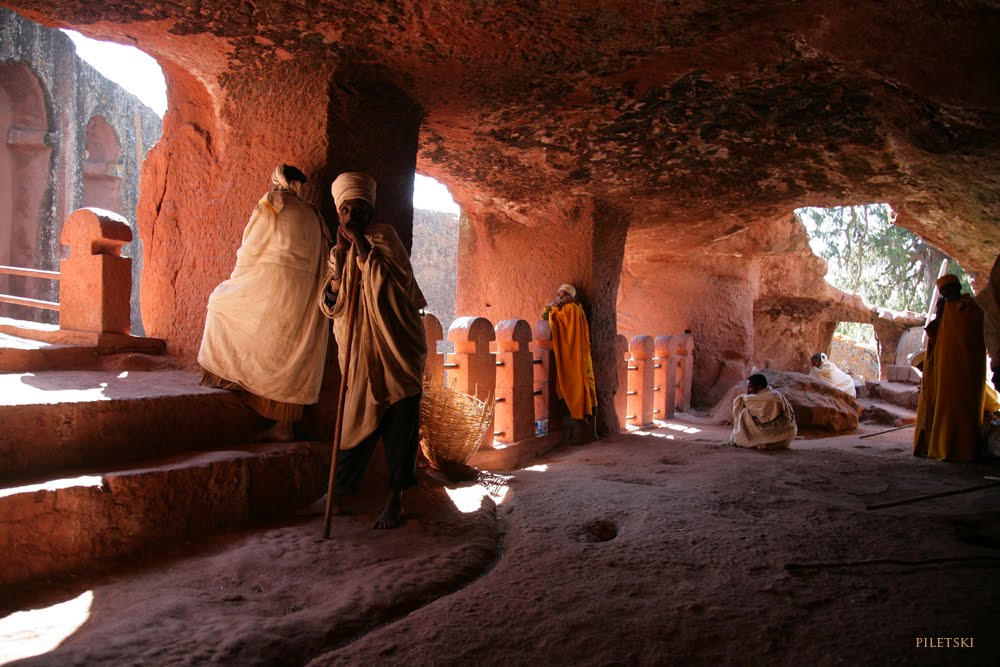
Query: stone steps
x=902, y=394
x=57, y=420
x=91, y=521
x=880, y=412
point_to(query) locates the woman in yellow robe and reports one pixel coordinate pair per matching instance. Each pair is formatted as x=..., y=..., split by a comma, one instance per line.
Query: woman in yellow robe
x=571, y=344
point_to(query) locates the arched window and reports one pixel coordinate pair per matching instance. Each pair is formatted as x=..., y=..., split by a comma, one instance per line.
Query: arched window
x=102, y=179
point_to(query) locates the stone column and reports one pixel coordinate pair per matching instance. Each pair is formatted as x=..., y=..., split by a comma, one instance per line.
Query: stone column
x=544, y=363
x=622, y=357
x=682, y=349
x=434, y=370
x=664, y=379
x=471, y=367
x=640, y=385
x=514, y=418
x=96, y=281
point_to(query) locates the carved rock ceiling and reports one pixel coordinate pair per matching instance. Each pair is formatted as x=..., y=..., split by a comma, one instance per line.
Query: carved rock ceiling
x=700, y=118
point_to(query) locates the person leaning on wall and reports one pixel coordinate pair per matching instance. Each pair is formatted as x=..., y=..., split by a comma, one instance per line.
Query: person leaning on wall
x=574, y=366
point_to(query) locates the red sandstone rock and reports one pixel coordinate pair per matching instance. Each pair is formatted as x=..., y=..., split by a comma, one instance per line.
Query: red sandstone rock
x=817, y=405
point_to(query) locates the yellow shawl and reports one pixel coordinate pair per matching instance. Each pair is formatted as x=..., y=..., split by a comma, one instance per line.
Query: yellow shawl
x=389, y=349
x=952, y=391
x=574, y=366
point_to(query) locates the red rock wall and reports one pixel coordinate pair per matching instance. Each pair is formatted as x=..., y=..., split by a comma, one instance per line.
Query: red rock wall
x=711, y=297
x=509, y=269
x=214, y=162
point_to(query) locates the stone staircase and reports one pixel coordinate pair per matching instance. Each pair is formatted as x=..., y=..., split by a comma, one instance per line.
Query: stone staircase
x=894, y=400
x=107, y=455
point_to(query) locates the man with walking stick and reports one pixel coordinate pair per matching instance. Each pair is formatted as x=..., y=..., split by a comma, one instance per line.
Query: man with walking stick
x=382, y=349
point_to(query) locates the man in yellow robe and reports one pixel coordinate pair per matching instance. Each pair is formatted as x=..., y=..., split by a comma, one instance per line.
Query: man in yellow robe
x=265, y=336
x=388, y=350
x=952, y=390
x=571, y=345
x=762, y=417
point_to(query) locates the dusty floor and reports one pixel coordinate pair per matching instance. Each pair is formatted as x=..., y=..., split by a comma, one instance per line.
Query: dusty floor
x=661, y=548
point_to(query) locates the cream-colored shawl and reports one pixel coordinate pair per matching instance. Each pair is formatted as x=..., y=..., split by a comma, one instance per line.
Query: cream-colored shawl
x=389, y=349
x=764, y=420
x=833, y=376
x=263, y=329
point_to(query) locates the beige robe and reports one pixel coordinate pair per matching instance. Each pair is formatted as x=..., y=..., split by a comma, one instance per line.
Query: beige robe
x=389, y=349
x=764, y=420
x=833, y=376
x=264, y=329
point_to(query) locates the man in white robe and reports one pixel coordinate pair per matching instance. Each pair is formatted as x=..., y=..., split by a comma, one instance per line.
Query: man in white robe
x=265, y=336
x=762, y=418
x=827, y=371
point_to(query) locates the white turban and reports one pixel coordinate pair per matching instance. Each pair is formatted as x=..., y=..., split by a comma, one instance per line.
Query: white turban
x=282, y=183
x=569, y=289
x=353, y=185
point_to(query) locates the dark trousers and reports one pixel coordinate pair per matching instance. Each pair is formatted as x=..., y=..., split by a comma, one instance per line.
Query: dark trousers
x=400, y=433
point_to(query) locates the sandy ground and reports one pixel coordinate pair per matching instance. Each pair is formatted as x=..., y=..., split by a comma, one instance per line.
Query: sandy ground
x=658, y=548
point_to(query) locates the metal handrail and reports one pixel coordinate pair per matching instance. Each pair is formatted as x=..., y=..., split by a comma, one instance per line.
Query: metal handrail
x=29, y=273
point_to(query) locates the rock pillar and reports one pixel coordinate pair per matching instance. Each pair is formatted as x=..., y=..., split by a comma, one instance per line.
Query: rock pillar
x=664, y=379
x=514, y=417
x=95, y=281
x=682, y=349
x=471, y=367
x=544, y=363
x=434, y=370
x=621, y=369
x=640, y=384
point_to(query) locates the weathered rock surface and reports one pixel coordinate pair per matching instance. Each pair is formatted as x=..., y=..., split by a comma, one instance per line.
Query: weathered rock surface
x=658, y=146
x=817, y=405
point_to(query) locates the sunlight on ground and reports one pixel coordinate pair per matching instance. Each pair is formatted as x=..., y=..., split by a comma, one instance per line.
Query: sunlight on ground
x=682, y=428
x=28, y=633
x=468, y=499
x=541, y=467
x=54, y=484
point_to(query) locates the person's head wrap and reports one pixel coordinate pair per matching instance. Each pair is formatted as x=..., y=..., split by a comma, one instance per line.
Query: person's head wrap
x=948, y=279
x=353, y=185
x=281, y=181
x=569, y=289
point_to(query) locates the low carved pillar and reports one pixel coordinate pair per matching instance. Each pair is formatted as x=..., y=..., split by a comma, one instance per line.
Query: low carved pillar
x=544, y=363
x=434, y=370
x=640, y=381
x=471, y=367
x=514, y=416
x=664, y=379
x=96, y=281
x=682, y=348
x=621, y=394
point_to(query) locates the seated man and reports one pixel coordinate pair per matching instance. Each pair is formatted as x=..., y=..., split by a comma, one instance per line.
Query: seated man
x=762, y=418
x=825, y=370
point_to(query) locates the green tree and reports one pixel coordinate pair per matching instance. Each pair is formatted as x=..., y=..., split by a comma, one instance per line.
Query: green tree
x=890, y=267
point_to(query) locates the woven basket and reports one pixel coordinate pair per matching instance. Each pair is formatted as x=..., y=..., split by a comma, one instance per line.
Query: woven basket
x=453, y=425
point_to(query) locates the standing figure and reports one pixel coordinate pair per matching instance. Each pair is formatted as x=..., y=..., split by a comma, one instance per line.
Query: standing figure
x=827, y=371
x=388, y=348
x=952, y=390
x=574, y=367
x=762, y=418
x=265, y=336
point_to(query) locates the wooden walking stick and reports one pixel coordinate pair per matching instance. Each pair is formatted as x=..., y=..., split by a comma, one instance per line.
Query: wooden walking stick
x=338, y=435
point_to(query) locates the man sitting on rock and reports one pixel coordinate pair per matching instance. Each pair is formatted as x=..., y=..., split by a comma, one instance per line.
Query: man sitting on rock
x=762, y=418
x=827, y=371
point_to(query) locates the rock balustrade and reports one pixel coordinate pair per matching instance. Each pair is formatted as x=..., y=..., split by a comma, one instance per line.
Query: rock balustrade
x=513, y=365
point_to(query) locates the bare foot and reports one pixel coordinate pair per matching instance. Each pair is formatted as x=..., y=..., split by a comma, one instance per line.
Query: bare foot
x=280, y=432
x=392, y=513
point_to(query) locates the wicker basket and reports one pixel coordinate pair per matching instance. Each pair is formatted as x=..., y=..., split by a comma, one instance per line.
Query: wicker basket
x=453, y=425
